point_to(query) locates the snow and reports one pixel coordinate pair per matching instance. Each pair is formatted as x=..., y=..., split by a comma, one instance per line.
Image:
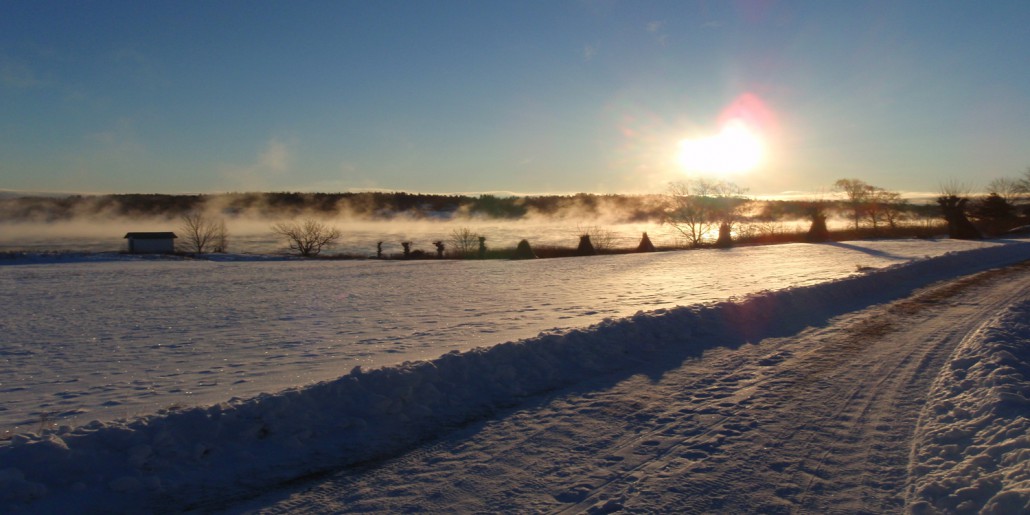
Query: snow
x=187, y=457
x=972, y=449
x=123, y=336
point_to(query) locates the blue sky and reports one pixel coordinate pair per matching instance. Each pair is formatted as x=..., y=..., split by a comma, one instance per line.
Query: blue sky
x=487, y=96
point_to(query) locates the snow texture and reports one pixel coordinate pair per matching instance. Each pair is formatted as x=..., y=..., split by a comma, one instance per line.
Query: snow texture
x=185, y=458
x=972, y=449
x=100, y=337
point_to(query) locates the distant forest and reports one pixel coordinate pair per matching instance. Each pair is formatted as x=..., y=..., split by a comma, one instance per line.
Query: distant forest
x=386, y=206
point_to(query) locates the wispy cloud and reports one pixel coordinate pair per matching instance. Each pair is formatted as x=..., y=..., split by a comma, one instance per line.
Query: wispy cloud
x=109, y=158
x=121, y=136
x=136, y=66
x=275, y=157
x=657, y=30
x=589, y=52
x=272, y=162
x=128, y=55
x=16, y=75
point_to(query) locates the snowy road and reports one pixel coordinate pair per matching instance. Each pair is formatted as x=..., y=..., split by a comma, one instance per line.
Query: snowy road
x=816, y=422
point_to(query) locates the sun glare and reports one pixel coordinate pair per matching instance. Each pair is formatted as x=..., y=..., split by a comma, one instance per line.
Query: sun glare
x=735, y=149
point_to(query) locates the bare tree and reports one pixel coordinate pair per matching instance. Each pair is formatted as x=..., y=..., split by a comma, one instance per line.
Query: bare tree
x=687, y=214
x=201, y=233
x=1008, y=189
x=857, y=192
x=700, y=207
x=871, y=208
x=730, y=206
x=882, y=206
x=1024, y=190
x=1024, y=183
x=308, y=236
x=221, y=240
x=893, y=207
x=464, y=242
x=1015, y=192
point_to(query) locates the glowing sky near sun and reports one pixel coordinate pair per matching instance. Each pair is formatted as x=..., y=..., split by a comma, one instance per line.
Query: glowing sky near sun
x=527, y=97
x=735, y=149
x=738, y=146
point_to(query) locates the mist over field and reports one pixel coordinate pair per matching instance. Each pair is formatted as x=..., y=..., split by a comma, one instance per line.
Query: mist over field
x=98, y=223
x=359, y=236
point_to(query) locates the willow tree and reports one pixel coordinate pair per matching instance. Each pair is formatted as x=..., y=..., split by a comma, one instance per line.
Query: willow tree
x=815, y=210
x=953, y=201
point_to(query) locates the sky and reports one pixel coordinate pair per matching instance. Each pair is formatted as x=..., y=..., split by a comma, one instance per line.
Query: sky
x=527, y=97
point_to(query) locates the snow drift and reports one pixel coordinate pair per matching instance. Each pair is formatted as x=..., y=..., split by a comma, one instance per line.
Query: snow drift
x=972, y=447
x=191, y=458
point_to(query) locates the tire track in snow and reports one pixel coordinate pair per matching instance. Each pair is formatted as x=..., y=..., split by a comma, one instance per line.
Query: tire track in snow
x=815, y=423
x=854, y=404
x=871, y=421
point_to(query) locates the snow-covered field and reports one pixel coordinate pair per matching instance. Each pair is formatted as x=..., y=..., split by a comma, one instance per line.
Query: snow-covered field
x=138, y=335
x=85, y=341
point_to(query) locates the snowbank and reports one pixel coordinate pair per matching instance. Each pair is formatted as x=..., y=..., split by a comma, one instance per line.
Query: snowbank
x=189, y=458
x=972, y=448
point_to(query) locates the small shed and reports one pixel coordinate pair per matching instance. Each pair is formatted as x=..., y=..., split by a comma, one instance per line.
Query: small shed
x=151, y=242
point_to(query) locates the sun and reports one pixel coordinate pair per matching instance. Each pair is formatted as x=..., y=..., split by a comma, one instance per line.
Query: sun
x=735, y=149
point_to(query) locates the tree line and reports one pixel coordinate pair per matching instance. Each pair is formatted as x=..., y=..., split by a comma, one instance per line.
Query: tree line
x=366, y=205
x=709, y=212
x=704, y=212
x=380, y=206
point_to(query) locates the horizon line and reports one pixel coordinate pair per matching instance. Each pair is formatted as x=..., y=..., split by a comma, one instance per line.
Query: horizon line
x=789, y=195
